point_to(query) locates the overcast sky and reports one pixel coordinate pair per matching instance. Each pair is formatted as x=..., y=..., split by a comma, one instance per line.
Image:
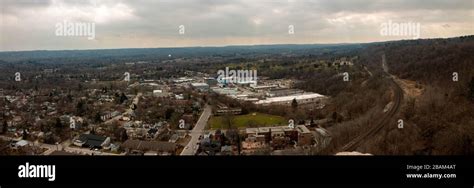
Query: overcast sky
x=32, y=24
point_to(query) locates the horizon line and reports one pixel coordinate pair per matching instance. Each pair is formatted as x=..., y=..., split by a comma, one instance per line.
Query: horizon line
x=235, y=45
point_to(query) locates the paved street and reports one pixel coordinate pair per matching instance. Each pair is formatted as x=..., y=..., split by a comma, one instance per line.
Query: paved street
x=128, y=111
x=190, y=149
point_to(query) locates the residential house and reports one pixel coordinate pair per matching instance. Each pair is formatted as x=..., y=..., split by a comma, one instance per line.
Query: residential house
x=92, y=141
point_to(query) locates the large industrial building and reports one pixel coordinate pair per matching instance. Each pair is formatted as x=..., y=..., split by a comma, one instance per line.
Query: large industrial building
x=305, y=98
x=200, y=86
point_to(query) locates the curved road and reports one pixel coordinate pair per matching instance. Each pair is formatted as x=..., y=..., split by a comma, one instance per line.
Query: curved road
x=398, y=93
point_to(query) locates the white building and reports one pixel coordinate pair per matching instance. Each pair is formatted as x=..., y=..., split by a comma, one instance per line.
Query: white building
x=200, y=86
x=304, y=98
x=183, y=80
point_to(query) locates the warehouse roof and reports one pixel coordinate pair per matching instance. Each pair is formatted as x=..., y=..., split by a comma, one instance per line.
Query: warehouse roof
x=290, y=98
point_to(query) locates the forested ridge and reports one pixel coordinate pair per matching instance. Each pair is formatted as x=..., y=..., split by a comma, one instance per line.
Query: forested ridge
x=440, y=119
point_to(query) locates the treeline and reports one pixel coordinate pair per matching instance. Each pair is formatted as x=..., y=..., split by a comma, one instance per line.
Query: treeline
x=432, y=61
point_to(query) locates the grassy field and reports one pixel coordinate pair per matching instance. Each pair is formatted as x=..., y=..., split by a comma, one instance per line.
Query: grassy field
x=248, y=120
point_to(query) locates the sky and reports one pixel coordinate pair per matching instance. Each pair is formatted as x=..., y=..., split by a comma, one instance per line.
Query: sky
x=45, y=24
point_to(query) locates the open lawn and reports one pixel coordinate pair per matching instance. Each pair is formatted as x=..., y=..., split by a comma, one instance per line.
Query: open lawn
x=248, y=120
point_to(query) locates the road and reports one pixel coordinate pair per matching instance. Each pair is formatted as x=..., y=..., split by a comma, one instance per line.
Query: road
x=370, y=73
x=398, y=97
x=190, y=149
x=128, y=111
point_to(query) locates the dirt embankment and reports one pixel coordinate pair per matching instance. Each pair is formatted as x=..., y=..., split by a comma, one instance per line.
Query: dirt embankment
x=410, y=88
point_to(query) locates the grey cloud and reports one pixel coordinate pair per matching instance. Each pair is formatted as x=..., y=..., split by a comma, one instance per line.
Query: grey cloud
x=213, y=20
x=11, y=7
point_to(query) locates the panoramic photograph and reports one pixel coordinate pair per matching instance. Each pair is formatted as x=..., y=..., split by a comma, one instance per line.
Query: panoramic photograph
x=236, y=78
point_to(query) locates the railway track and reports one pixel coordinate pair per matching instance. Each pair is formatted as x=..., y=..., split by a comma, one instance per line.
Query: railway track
x=398, y=96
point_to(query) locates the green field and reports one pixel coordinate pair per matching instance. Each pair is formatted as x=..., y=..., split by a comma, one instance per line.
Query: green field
x=248, y=120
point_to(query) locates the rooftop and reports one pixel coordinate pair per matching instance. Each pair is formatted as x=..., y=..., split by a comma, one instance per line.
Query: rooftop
x=199, y=85
x=290, y=98
x=302, y=129
x=92, y=140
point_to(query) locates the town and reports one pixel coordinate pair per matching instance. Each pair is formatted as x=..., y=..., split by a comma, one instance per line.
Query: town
x=264, y=100
x=128, y=114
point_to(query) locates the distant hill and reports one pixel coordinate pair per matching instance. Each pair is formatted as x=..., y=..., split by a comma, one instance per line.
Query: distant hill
x=162, y=53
